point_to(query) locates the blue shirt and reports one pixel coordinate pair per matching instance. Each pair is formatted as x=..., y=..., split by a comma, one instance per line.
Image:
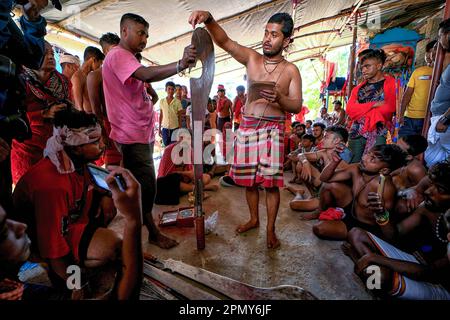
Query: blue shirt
x=441, y=101
x=25, y=48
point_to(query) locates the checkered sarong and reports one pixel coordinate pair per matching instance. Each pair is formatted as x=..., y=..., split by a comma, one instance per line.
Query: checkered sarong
x=259, y=152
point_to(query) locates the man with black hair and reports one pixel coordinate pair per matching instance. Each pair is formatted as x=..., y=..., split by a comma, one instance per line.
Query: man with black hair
x=438, y=134
x=170, y=114
x=130, y=109
x=415, y=99
x=352, y=187
x=338, y=117
x=184, y=104
x=93, y=59
x=224, y=108
x=311, y=164
x=323, y=117
x=371, y=105
x=15, y=249
x=424, y=275
x=318, y=130
x=94, y=83
x=238, y=105
x=414, y=171
x=411, y=174
x=308, y=125
x=261, y=131
x=58, y=201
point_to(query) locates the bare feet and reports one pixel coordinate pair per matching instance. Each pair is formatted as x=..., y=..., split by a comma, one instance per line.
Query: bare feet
x=245, y=227
x=349, y=251
x=310, y=216
x=272, y=241
x=162, y=241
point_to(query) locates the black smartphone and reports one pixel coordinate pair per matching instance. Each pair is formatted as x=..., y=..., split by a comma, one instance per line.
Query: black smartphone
x=99, y=175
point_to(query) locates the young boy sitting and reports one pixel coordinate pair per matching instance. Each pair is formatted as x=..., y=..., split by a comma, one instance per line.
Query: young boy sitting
x=411, y=174
x=310, y=165
x=349, y=188
x=306, y=145
x=426, y=232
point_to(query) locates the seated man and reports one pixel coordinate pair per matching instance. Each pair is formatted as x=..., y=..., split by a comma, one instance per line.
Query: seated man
x=15, y=249
x=56, y=199
x=308, y=127
x=174, y=180
x=338, y=116
x=306, y=145
x=404, y=275
x=310, y=174
x=348, y=188
x=320, y=158
x=293, y=143
x=411, y=174
x=317, y=131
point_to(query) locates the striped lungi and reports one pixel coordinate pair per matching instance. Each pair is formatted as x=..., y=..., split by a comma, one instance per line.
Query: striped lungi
x=259, y=152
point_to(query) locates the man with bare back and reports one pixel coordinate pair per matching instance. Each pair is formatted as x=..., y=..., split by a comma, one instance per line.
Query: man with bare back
x=93, y=59
x=261, y=132
x=351, y=188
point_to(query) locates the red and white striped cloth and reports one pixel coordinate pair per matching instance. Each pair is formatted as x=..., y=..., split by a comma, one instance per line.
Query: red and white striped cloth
x=259, y=152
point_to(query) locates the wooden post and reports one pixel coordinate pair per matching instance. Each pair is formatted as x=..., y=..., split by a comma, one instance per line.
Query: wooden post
x=437, y=71
x=353, y=57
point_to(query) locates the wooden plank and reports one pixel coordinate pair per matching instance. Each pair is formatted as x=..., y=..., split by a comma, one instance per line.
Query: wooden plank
x=182, y=287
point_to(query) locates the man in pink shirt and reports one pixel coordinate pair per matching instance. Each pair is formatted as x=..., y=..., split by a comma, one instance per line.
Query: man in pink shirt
x=130, y=109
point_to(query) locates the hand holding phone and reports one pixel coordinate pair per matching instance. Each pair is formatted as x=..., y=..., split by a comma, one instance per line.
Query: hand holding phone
x=126, y=193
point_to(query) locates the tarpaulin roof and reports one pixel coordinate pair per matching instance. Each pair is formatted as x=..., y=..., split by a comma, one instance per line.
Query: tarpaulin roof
x=320, y=25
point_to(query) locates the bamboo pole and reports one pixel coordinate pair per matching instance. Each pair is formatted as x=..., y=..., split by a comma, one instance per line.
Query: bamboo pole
x=353, y=57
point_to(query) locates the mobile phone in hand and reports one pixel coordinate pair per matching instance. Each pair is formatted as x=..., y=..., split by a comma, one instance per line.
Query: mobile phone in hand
x=120, y=182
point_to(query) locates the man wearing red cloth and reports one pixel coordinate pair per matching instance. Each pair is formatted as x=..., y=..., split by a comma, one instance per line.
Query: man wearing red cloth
x=371, y=105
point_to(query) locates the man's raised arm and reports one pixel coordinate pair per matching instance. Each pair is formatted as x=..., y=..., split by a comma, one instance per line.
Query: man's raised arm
x=240, y=53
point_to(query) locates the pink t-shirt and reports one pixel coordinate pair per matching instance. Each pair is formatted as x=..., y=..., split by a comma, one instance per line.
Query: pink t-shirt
x=129, y=108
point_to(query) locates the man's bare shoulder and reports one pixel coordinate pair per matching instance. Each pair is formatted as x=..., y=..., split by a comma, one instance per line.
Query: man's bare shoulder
x=76, y=76
x=255, y=57
x=290, y=67
x=415, y=168
x=353, y=167
x=95, y=75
